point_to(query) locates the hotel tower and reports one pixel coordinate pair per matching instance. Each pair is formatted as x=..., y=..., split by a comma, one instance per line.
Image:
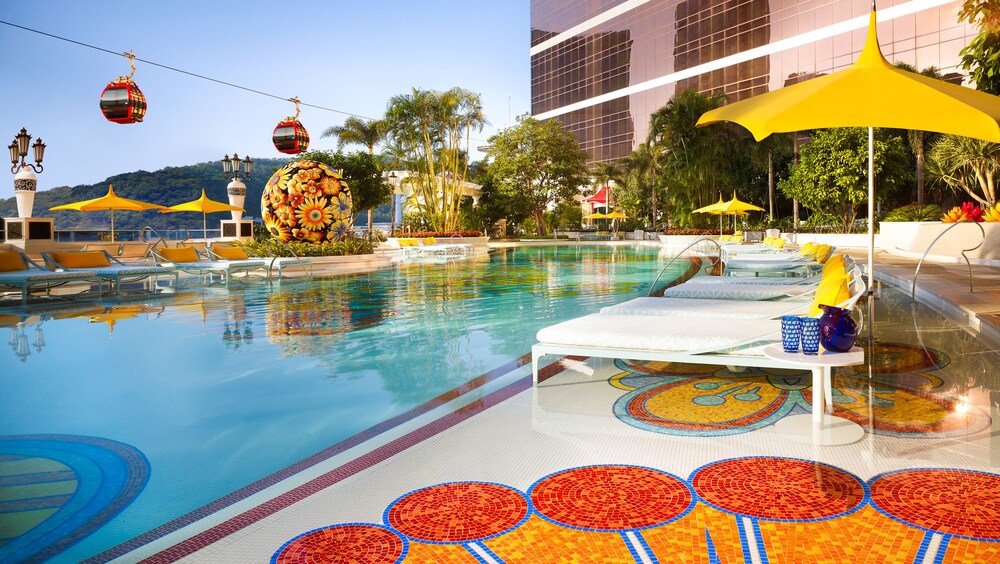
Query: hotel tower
x=601, y=67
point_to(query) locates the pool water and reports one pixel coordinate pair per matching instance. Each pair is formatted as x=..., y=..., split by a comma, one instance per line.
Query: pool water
x=210, y=389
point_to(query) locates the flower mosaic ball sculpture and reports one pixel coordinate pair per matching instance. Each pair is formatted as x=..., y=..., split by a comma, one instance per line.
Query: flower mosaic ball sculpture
x=309, y=202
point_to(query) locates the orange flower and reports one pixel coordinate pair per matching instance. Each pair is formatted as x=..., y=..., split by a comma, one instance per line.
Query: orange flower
x=314, y=214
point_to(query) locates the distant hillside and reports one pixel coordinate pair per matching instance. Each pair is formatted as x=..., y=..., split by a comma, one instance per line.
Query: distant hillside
x=169, y=186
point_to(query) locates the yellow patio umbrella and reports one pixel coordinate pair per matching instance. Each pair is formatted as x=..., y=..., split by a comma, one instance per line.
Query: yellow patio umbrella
x=737, y=205
x=870, y=93
x=596, y=215
x=108, y=202
x=203, y=205
x=718, y=208
x=616, y=215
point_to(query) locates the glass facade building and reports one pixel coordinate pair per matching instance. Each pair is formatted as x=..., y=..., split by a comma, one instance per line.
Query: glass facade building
x=601, y=67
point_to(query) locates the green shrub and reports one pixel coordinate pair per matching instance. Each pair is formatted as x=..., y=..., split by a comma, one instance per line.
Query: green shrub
x=344, y=247
x=914, y=212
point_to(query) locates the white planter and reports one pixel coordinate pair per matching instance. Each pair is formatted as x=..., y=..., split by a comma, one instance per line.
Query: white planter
x=911, y=238
x=237, y=192
x=25, y=185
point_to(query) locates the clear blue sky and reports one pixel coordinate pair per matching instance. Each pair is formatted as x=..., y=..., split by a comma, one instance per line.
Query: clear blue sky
x=350, y=56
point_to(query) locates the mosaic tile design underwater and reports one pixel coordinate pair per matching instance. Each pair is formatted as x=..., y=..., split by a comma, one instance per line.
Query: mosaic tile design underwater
x=767, y=509
x=57, y=489
x=907, y=399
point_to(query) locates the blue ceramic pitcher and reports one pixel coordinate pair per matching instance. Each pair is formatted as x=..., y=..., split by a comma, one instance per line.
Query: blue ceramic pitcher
x=837, y=329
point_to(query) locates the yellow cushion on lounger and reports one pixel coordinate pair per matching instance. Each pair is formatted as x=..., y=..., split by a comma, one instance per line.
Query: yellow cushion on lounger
x=822, y=253
x=11, y=261
x=81, y=259
x=834, y=265
x=808, y=250
x=778, y=243
x=831, y=291
x=179, y=254
x=230, y=253
x=430, y=240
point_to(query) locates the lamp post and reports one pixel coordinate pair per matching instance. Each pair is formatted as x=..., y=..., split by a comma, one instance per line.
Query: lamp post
x=234, y=169
x=25, y=179
x=394, y=181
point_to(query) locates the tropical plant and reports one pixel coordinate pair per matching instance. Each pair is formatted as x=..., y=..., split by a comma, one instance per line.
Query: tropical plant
x=690, y=156
x=538, y=161
x=832, y=174
x=269, y=247
x=431, y=132
x=981, y=57
x=920, y=141
x=357, y=131
x=966, y=165
x=992, y=214
x=913, y=212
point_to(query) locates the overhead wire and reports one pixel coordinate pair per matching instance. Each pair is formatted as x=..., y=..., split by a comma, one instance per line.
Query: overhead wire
x=182, y=71
x=189, y=73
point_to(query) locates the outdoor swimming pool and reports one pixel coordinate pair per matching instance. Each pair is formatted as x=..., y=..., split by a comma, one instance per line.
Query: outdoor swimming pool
x=195, y=395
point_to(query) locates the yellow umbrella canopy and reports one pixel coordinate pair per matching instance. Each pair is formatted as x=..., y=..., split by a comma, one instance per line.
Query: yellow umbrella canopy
x=597, y=215
x=736, y=205
x=203, y=205
x=870, y=93
x=616, y=215
x=108, y=202
x=716, y=208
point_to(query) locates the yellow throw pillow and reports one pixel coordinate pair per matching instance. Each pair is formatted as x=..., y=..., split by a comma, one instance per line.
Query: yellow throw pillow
x=179, y=254
x=81, y=259
x=778, y=243
x=429, y=240
x=230, y=253
x=832, y=290
x=11, y=261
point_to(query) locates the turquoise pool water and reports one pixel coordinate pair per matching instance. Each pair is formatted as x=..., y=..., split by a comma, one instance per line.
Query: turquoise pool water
x=215, y=388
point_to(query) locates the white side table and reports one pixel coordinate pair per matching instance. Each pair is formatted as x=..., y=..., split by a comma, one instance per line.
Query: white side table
x=820, y=427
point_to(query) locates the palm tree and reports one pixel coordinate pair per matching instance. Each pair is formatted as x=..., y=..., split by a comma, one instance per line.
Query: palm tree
x=967, y=165
x=920, y=140
x=356, y=131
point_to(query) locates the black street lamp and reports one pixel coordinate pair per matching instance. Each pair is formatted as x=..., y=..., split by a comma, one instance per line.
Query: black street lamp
x=19, y=150
x=236, y=171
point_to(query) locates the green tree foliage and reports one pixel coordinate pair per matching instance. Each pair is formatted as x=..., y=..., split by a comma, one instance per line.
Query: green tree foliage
x=539, y=162
x=692, y=159
x=362, y=173
x=967, y=166
x=357, y=131
x=981, y=57
x=430, y=134
x=832, y=174
x=920, y=141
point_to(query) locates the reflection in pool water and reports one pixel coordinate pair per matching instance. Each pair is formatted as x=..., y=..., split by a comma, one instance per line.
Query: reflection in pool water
x=221, y=387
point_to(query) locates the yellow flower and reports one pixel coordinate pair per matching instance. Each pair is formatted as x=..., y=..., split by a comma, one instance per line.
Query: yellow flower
x=314, y=214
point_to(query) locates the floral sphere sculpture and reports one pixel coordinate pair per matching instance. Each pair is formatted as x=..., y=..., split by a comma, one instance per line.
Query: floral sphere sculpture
x=307, y=201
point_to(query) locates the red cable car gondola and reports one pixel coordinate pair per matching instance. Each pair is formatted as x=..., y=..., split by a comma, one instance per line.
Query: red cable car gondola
x=122, y=101
x=290, y=136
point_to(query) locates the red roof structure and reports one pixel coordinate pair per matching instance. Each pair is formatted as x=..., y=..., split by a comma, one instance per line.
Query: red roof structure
x=601, y=197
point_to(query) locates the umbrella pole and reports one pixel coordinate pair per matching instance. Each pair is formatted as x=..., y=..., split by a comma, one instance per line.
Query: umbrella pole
x=871, y=209
x=112, y=225
x=204, y=226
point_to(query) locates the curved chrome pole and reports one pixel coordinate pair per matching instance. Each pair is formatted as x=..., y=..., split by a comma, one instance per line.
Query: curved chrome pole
x=913, y=287
x=679, y=255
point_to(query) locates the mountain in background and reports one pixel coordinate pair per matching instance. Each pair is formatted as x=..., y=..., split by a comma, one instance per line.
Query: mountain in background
x=168, y=186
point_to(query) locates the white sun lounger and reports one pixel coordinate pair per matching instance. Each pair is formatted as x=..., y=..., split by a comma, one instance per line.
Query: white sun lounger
x=715, y=309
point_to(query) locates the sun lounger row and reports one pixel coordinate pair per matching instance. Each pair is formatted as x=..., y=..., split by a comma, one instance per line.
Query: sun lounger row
x=20, y=273
x=430, y=245
x=701, y=330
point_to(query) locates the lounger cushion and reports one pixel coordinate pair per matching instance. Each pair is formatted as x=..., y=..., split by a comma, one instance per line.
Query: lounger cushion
x=179, y=254
x=834, y=265
x=823, y=253
x=11, y=261
x=832, y=290
x=716, y=309
x=644, y=332
x=736, y=291
x=230, y=253
x=430, y=240
x=81, y=259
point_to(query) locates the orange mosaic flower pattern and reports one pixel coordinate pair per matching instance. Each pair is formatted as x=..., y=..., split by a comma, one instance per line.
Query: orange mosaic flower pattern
x=307, y=201
x=353, y=542
x=458, y=512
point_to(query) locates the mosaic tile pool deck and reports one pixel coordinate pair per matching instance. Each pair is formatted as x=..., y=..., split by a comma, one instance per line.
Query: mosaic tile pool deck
x=563, y=473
